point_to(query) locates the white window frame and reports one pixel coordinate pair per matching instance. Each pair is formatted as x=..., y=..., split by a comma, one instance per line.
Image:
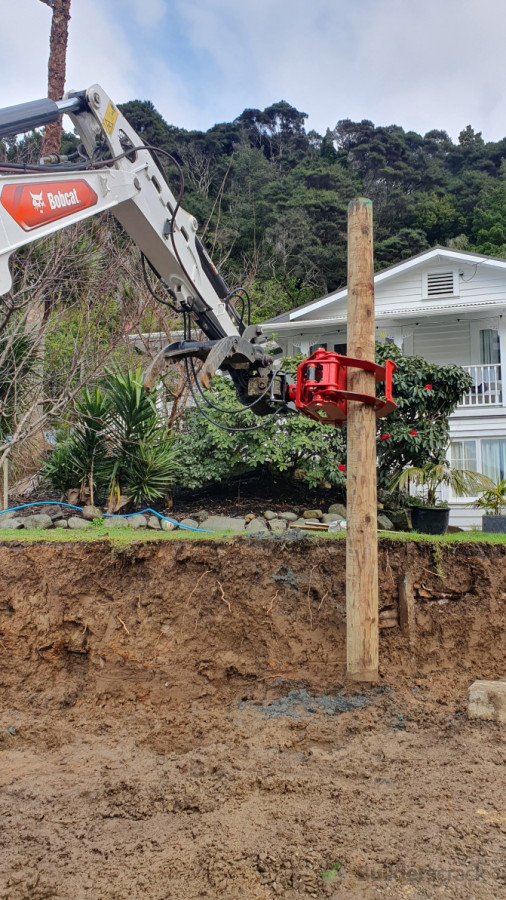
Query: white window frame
x=479, y=462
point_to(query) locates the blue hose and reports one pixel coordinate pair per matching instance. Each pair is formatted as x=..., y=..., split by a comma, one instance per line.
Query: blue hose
x=107, y=515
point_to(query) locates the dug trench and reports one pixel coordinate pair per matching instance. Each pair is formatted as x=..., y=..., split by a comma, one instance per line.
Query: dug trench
x=175, y=722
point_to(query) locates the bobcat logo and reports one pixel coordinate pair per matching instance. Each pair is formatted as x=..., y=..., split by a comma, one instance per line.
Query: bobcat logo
x=38, y=202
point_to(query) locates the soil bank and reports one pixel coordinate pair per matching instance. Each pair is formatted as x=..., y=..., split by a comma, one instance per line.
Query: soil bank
x=175, y=722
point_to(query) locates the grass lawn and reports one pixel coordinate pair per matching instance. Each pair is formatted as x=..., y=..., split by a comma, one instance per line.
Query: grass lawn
x=120, y=537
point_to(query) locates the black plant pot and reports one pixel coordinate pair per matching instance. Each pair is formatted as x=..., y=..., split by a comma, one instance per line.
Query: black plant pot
x=494, y=524
x=430, y=519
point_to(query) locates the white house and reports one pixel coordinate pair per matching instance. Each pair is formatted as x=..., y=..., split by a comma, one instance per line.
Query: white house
x=448, y=306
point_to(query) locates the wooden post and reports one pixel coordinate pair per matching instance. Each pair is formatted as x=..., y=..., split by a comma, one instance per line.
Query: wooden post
x=361, y=510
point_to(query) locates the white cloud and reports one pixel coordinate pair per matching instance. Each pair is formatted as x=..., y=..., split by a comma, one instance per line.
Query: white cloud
x=436, y=64
x=24, y=42
x=433, y=65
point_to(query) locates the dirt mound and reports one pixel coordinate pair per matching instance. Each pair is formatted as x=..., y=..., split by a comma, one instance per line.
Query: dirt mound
x=176, y=722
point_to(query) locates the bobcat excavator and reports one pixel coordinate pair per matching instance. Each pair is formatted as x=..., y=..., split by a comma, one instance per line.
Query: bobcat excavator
x=115, y=170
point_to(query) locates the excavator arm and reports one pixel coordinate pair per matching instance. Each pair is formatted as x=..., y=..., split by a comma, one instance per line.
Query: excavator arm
x=121, y=174
x=118, y=172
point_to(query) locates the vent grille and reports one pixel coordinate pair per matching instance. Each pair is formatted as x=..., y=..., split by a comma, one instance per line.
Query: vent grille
x=439, y=284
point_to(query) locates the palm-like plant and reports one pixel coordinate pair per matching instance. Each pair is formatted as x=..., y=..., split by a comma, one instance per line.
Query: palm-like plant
x=462, y=482
x=144, y=462
x=493, y=499
x=81, y=459
x=119, y=444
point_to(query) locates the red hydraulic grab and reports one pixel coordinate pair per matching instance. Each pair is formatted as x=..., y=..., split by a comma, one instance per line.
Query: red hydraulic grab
x=321, y=393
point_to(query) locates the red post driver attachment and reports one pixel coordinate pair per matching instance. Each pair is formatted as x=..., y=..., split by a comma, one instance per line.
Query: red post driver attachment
x=321, y=392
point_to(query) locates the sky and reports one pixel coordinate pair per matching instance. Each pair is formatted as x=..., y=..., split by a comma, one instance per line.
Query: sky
x=420, y=64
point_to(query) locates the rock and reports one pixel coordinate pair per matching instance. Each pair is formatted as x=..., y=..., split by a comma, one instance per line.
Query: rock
x=116, y=522
x=255, y=526
x=165, y=525
x=487, y=700
x=154, y=523
x=269, y=514
x=312, y=514
x=14, y=523
x=299, y=522
x=137, y=521
x=249, y=517
x=39, y=520
x=400, y=518
x=384, y=523
x=75, y=522
x=278, y=525
x=191, y=523
x=201, y=515
x=92, y=512
x=223, y=523
x=61, y=523
x=328, y=518
x=339, y=509
x=54, y=511
x=288, y=516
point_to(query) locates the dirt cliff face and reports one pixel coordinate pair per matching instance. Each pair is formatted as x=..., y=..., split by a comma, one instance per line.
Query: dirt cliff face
x=234, y=616
x=176, y=722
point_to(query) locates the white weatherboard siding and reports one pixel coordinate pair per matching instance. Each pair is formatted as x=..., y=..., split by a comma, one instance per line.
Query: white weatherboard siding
x=446, y=343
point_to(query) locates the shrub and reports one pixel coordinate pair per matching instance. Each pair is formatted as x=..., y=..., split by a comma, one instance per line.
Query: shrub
x=117, y=444
x=287, y=444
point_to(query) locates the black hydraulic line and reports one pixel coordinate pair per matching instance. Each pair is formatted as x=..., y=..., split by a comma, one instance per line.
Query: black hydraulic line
x=218, y=424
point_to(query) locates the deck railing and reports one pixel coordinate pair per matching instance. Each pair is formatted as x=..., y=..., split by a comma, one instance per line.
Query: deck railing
x=487, y=386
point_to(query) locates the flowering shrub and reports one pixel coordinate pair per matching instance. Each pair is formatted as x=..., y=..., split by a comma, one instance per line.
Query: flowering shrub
x=426, y=394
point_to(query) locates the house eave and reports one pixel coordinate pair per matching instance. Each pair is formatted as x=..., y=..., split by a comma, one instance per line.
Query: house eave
x=388, y=315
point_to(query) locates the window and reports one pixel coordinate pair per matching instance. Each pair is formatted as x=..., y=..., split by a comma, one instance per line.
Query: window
x=487, y=455
x=489, y=347
x=463, y=455
x=441, y=284
x=493, y=458
x=340, y=348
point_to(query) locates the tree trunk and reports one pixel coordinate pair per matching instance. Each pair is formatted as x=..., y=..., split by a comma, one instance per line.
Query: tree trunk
x=56, y=70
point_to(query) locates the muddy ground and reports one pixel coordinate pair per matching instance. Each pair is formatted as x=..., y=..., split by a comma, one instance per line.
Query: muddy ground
x=175, y=722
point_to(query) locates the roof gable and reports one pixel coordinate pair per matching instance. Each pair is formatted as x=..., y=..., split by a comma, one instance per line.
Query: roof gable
x=436, y=255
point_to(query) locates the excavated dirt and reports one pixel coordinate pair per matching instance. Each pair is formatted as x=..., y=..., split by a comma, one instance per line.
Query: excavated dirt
x=175, y=722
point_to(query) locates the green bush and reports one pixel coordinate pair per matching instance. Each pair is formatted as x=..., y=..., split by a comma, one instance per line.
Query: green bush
x=118, y=444
x=287, y=444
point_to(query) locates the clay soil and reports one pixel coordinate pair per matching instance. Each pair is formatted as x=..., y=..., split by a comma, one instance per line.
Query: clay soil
x=175, y=722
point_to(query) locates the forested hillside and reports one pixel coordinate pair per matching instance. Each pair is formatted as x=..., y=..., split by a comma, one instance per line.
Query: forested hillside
x=271, y=197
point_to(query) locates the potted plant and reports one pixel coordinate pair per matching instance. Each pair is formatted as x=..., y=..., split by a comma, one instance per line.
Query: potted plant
x=430, y=516
x=493, y=501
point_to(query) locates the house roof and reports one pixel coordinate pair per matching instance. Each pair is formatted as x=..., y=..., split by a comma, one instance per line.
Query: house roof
x=437, y=253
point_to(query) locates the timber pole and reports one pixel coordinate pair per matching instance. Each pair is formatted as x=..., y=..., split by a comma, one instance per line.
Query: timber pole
x=361, y=496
